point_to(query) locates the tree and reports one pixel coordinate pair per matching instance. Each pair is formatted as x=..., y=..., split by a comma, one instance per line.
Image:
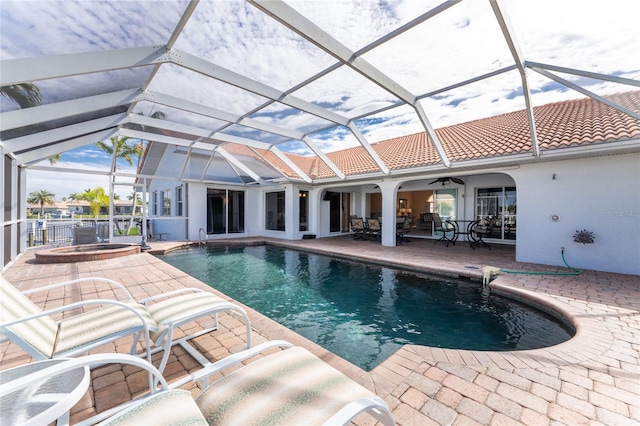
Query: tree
x=123, y=149
x=97, y=198
x=54, y=159
x=41, y=197
x=26, y=95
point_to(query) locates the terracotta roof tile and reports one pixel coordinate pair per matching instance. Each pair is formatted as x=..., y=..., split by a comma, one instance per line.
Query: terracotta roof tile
x=558, y=125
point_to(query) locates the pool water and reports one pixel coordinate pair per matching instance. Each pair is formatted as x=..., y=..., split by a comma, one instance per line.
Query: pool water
x=364, y=313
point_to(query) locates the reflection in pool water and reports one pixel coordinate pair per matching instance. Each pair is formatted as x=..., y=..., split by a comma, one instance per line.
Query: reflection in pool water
x=364, y=313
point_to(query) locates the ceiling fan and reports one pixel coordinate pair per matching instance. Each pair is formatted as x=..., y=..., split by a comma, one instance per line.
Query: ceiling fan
x=446, y=180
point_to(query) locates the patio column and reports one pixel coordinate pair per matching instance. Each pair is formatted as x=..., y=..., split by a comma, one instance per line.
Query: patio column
x=388, y=191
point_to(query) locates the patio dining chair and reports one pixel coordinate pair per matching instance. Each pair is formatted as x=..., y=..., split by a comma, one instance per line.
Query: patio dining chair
x=404, y=230
x=40, y=335
x=444, y=227
x=481, y=230
x=357, y=228
x=374, y=229
x=289, y=386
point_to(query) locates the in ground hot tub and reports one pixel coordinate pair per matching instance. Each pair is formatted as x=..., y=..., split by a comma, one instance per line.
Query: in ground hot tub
x=86, y=252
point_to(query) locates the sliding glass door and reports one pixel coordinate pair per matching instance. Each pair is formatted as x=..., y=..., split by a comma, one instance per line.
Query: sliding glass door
x=498, y=206
x=225, y=211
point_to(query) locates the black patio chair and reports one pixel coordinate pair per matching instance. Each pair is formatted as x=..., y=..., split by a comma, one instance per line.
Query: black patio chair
x=357, y=228
x=404, y=230
x=444, y=227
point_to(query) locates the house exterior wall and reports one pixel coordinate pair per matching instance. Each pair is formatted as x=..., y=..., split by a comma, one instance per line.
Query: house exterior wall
x=601, y=195
x=171, y=226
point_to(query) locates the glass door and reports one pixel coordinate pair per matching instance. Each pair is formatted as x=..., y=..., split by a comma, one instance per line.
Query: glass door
x=498, y=206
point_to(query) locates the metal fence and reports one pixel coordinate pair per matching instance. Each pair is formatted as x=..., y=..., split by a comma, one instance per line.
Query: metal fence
x=51, y=232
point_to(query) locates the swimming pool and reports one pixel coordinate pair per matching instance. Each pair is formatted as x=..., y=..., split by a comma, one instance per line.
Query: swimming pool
x=364, y=312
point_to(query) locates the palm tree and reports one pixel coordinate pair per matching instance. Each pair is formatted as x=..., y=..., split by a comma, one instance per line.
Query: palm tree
x=54, y=159
x=97, y=198
x=123, y=149
x=26, y=95
x=41, y=197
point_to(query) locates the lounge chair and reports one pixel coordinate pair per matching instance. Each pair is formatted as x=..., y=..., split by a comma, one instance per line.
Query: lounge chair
x=42, y=337
x=291, y=386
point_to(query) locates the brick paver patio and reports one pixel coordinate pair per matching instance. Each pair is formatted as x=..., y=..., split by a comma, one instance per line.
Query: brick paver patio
x=592, y=379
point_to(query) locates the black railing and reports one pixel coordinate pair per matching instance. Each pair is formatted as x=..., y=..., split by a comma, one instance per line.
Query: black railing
x=48, y=233
x=52, y=234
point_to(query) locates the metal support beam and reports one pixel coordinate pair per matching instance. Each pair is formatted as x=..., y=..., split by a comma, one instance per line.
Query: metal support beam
x=237, y=163
x=507, y=32
x=40, y=154
x=313, y=147
x=296, y=22
x=582, y=73
x=58, y=110
x=586, y=92
x=47, y=137
x=372, y=153
x=28, y=70
x=174, y=102
x=291, y=164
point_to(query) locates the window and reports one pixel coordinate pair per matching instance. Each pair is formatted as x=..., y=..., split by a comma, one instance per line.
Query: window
x=444, y=202
x=179, y=209
x=274, y=211
x=303, y=196
x=166, y=203
x=225, y=211
x=499, y=203
x=155, y=203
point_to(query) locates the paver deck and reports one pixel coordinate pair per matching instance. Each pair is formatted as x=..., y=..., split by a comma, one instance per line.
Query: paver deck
x=592, y=379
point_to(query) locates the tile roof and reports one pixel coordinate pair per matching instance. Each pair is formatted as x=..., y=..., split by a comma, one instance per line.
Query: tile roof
x=561, y=124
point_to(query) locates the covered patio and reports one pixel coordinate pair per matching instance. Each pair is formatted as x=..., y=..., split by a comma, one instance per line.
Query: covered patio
x=592, y=379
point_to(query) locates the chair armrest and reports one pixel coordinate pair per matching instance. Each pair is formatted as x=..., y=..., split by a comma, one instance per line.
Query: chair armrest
x=74, y=306
x=68, y=364
x=374, y=405
x=202, y=376
x=169, y=294
x=79, y=281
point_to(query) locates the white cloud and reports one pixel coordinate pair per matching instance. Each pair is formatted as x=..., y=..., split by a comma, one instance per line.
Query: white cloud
x=63, y=183
x=458, y=44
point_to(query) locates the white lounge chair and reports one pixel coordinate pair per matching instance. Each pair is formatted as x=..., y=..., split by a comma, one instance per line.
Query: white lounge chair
x=287, y=387
x=42, y=337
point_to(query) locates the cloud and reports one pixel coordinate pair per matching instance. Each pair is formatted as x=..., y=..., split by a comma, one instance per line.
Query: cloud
x=460, y=43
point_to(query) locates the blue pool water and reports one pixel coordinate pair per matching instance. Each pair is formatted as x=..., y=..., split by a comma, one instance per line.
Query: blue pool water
x=364, y=313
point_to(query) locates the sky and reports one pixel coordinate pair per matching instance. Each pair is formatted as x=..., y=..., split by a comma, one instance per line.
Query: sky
x=458, y=44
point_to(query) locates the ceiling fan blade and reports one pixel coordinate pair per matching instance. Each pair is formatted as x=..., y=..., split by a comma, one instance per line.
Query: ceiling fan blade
x=456, y=180
x=431, y=183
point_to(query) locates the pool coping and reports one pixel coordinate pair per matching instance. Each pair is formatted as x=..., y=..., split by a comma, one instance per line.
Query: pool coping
x=593, y=378
x=590, y=335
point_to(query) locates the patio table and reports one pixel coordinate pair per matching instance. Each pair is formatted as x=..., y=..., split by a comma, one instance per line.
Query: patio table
x=43, y=402
x=468, y=230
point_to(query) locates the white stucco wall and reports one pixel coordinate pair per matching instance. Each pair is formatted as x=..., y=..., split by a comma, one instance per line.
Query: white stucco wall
x=601, y=195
